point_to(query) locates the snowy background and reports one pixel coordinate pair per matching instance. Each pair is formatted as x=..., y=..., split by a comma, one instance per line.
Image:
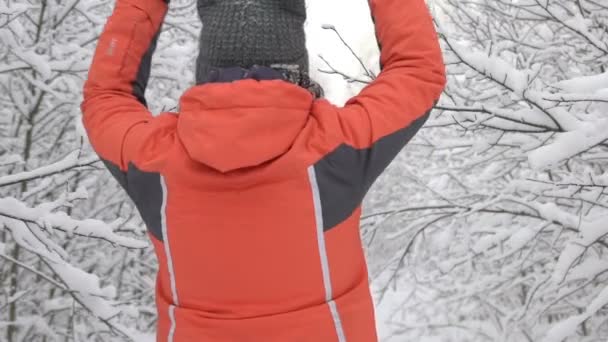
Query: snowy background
x=490, y=226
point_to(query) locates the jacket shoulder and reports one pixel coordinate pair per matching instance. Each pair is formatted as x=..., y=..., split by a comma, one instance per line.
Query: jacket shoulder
x=151, y=142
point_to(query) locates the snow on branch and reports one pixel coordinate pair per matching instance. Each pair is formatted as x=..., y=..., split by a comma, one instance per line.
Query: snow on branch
x=568, y=327
x=85, y=288
x=569, y=144
x=526, y=120
x=70, y=161
x=516, y=81
x=45, y=217
x=585, y=84
x=600, y=96
x=577, y=23
x=590, y=232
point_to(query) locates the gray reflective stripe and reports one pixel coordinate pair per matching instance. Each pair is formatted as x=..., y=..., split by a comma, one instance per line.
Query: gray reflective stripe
x=172, y=319
x=323, y=254
x=337, y=320
x=320, y=236
x=163, y=211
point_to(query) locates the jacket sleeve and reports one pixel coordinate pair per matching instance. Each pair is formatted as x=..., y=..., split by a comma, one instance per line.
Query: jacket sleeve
x=410, y=82
x=375, y=125
x=114, y=102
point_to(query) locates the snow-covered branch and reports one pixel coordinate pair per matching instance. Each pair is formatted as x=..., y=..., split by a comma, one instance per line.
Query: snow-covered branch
x=69, y=162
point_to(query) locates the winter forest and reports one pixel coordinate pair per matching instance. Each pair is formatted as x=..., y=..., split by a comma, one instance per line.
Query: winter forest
x=492, y=224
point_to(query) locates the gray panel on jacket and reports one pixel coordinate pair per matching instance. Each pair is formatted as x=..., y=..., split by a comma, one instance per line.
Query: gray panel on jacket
x=145, y=190
x=345, y=175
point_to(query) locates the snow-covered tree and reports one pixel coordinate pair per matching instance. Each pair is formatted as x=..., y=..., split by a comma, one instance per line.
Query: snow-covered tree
x=502, y=232
x=490, y=226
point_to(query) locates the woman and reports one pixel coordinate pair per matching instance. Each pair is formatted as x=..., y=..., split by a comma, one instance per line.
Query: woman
x=252, y=192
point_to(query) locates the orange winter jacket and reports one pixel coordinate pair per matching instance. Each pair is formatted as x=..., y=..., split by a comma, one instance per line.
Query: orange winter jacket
x=251, y=193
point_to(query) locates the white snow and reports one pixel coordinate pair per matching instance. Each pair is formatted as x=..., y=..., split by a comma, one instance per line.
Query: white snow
x=495, y=158
x=356, y=28
x=495, y=67
x=69, y=161
x=11, y=207
x=11, y=159
x=584, y=84
x=13, y=8
x=590, y=231
x=569, y=144
x=568, y=326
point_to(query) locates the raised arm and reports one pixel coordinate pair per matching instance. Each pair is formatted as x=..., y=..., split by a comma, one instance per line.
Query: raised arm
x=114, y=102
x=398, y=102
x=375, y=125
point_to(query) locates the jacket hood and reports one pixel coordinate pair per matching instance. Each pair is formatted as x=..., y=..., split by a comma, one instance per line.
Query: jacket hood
x=230, y=126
